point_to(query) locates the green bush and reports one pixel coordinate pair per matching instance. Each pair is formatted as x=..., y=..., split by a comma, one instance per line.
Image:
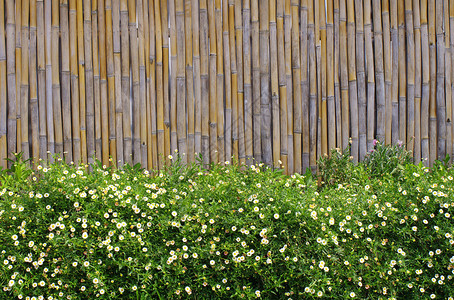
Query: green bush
x=225, y=233
x=336, y=168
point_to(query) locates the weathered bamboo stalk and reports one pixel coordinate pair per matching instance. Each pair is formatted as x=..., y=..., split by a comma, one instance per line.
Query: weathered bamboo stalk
x=227, y=82
x=379, y=71
x=402, y=72
x=82, y=82
x=248, y=125
x=220, y=82
x=331, y=106
x=125, y=81
x=289, y=82
x=370, y=124
x=189, y=80
x=304, y=87
x=89, y=86
x=24, y=79
x=337, y=90
x=148, y=91
x=181, y=81
x=55, y=69
x=240, y=90
x=395, y=73
x=448, y=81
x=152, y=124
x=142, y=87
x=318, y=58
x=3, y=91
x=282, y=86
x=197, y=82
x=387, y=70
x=344, y=77
x=165, y=69
x=104, y=108
x=118, y=105
x=34, y=114
x=440, y=94
x=74, y=81
x=425, y=100
x=352, y=88
x=417, y=71
x=323, y=73
x=159, y=85
x=410, y=109
x=256, y=109
x=18, y=55
x=433, y=128
x=274, y=85
x=11, y=79
x=265, y=96
x=48, y=79
x=213, y=119
x=313, y=114
x=173, y=78
x=451, y=23
x=40, y=47
x=361, y=78
x=234, y=78
x=204, y=81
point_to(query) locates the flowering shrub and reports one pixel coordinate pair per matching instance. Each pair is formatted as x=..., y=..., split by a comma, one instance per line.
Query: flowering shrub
x=223, y=233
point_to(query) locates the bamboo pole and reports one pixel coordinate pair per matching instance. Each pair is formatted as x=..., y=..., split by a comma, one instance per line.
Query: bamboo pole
x=418, y=73
x=48, y=57
x=134, y=52
x=323, y=73
x=181, y=80
x=152, y=122
x=402, y=72
x=234, y=78
x=34, y=113
x=289, y=82
x=440, y=94
x=361, y=79
x=337, y=90
x=379, y=71
x=410, y=109
x=370, y=112
x=89, y=86
x=165, y=69
x=173, y=78
x=318, y=58
x=213, y=87
x=274, y=85
x=142, y=87
x=3, y=91
x=204, y=82
x=331, y=106
x=451, y=23
x=18, y=55
x=344, y=76
x=227, y=81
x=304, y=87
x=75, y=107
x=313, y=114
x=239, y=85
x=118, y=109
x=297, y=103
x=256, y=109
x=282, y=86
x=55, y=69
x=148, y=91
x=104, y=103
x=189, y=80
x=448, y=81
x=82, y=82
x=11, y=79
x=247, y=55
x=24, y=79
x=197, y=82
x=387, y=70
x=265, y=95
x=425, y=100
x=159, y=85
x=220, y=82
x=433, y=113
x=395, y=73
x=40, y=47
x=111, y=83
x=352, y=88
x=96, y=81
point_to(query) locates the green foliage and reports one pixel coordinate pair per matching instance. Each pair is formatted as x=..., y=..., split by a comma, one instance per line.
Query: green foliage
x=17, y=175
x=336, y=168
x=231, y=232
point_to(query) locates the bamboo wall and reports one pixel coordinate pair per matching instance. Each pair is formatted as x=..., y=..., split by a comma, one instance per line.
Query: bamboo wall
x=274, y=81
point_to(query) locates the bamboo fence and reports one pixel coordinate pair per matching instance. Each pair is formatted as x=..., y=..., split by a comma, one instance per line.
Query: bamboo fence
x=274, y=81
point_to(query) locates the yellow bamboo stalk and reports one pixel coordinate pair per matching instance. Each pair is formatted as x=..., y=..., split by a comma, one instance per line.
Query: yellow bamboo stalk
x=96, y=81
x=313, y=116
x=173, y=78
x=3, y=93
x=228, y=82
x=433, y=128
x=240, y=82
x=410, y=75
x=56, y=103
x=34, y=113
x=234, y=78
x=189, y=80
x=82, y=82
x=89, y=83
x=344, y=77
x=11, y=79
x=40, y=47
x=159, y=85
x=337, y=90
x=153, y=93
x=165, y=64
x=24, y=79
x=448, y=81
x=256, y=109
x=118, y=109
x=418, y=73
x=197, y=82
x=370, y=111
x=147, y=121
x=213, y=87
x=402, y=72
x=220, y=82
x=323, y=74
x=274, y=86
x=387, y=70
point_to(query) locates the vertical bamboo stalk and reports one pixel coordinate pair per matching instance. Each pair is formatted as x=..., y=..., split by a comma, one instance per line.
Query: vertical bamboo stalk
x=125, y=81
x=323, y=74
x=96, y=81
x=304, y=87
x=410, y=75
x=159, y=85
x=337, y=90
x=212, y=75
x=282, y=85
x=402, y=73
x=433, y=113
x=344, y=73
x=3, y=91
x=313, y=114
x=82, y=82
x=440, y=96
x=370, y=117
x=395, y=73
x=41, y=80
x=56, y=103
x=425, y=100
x=352, y=88
x=318, y=58
x=48, y=79
x=265, y=96
x=227, y=81
x=256, y=109
x=379, y=71
x=118, y=109
x=181, y=80
x=418, y=72
x=297, y=103
x=220, y=82
x=274, y=85
x=148, y=91
x=104, y=109
x=173, y=78
x=89, y=86
x=75, y=107
x=197, y=82
x=24, y=79
x=142, y=87
x=18, y=54
x=204, y=81
x=239, y=86
x=189, y=79
x=387, y=70
x=34, y=113
x=152, y=109
x=11, y=79
x=234, y=78
x=165, y=69
x=247, y=56
x=289, y=82
x=111, y=83
x=448, y=81
x=134, y=52
x=361, y=78
x=451, y=23
x=331, y=106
